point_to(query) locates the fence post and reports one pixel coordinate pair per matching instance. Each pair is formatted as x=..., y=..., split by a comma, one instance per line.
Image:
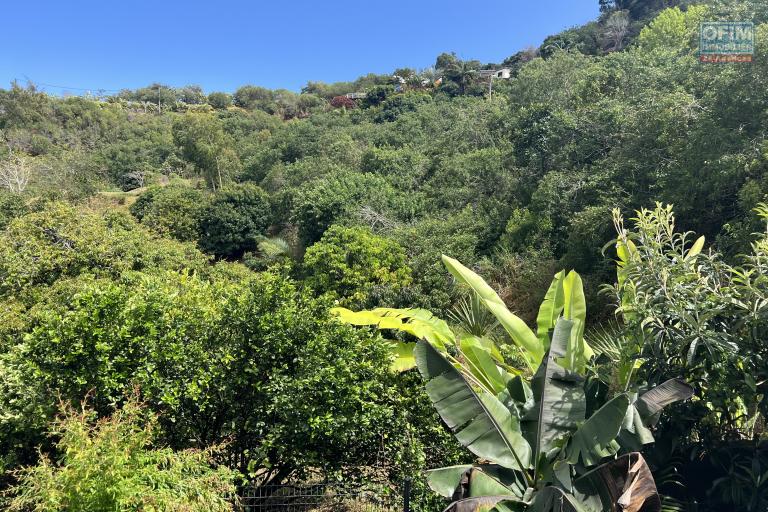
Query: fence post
x=407, y=494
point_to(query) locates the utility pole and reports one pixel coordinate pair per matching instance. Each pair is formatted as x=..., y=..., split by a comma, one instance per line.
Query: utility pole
x=490, y=87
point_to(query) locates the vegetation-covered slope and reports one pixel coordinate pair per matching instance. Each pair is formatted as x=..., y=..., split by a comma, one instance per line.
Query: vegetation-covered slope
x=192, y=244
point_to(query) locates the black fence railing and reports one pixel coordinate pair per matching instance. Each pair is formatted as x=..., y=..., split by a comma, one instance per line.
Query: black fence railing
x=326, y=497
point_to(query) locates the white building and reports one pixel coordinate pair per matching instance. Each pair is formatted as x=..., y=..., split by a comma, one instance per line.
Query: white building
x=503, y=73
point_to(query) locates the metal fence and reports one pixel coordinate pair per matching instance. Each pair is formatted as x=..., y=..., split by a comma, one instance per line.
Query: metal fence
x=326, y=497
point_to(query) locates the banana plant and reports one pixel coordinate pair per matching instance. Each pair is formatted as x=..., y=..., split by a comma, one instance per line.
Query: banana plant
x=419, y=323
x=537, y=447
x=565, y=297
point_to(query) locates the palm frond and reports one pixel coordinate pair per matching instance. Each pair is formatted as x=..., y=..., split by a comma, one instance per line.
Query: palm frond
x=472, y=317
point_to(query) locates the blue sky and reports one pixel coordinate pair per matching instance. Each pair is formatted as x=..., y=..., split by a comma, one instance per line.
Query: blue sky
x=223, y=44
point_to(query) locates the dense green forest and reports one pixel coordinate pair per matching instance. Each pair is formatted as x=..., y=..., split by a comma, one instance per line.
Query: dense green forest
x=170, y=261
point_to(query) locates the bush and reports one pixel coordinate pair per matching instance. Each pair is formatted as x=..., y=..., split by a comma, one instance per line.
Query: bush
x=686, y=312
x=11, y=206
x=173, y=211
x=425, y=241
x=377, y=94
x=231, y=359
x=61, y=241
x=403, y=167
x=352, y=263
x=234, y=220
x=334, y=198
x=219, y=100
x=397, y=105
x=112, y=464
x=132, y=179
x=251, y=97
x=343, y=101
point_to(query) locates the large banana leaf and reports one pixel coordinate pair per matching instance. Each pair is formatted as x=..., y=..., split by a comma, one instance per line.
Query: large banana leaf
x=596, y=437
x=530, y=347
x=486, y=504
x=480, y=354
x=578, y=353
x=417, y=322
x=650, y=403
x=552, y=499
x=550, y=309
x=402, y=353
x=574, y=303
x=566, y=295
x=459, y=482
x=531, y=350
x=645, y=412
x=494, y=480
x=478, y=419
x=634, y=434
x=482, y=364
x=624, y=485
x=472, y=280
x=559, y=396
x=445, y=481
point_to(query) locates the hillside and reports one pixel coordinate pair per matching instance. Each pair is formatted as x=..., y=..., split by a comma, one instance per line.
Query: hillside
x=192, y=223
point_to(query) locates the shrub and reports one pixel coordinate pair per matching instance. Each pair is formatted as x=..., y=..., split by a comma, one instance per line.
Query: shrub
x=377, y=94
x=219, y=100
x=133, y=179
x=350, y=263
x=171, y=211
x=425, y=241
x=61, y=241
x=334, y=198
x=343, y=101
x=397, y=105
x=112, y=464
x=234, y=220
x=11, y=206
x=230, y=359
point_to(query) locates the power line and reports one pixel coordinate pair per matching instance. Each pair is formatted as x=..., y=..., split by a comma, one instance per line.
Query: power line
x=74, y=88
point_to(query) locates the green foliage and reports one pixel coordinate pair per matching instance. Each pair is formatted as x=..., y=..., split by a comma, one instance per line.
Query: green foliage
x=615, y=113
x=269, y=251
x=204, y=143
x=132, y=149
x=539, y=436
x=221, y=360
x=687, y=312
x=686, y=308
x=424, y=243
x=395, y=106
x=252, y=97
x=402, y=167
x=337, y=197
x=11, y=206
x=61, y=241
x=377, y=94
x=585, y=39
x=164, y=96
x=355, y=265
x=673, y=29
x=173, y=211
x=219, y=100
x=234, y=220
x=112, y=464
